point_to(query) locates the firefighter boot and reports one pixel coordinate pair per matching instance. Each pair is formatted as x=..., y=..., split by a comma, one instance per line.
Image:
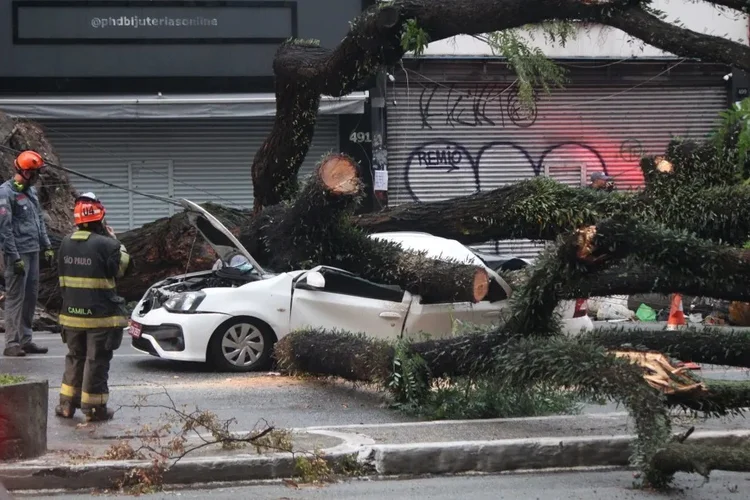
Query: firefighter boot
x=98, y=414
x=65, y=410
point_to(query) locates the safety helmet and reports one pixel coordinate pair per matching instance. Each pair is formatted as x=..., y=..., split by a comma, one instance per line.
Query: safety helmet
x=88, y=208
x=29, y=160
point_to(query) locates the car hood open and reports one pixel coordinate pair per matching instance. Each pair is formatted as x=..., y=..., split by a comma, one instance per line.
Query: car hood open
x=217, y=235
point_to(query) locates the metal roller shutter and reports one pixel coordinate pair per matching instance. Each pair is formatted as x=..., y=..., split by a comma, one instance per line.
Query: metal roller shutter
x=448, y=138
x=203, y=160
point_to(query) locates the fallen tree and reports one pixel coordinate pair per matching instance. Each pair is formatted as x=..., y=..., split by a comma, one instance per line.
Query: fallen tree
x=357, y=358
x=679, y=195
x=521, y=361
x=677, y=261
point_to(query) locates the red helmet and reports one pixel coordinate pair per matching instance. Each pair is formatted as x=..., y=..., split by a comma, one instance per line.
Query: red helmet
x=88, y=209
x=29, y=160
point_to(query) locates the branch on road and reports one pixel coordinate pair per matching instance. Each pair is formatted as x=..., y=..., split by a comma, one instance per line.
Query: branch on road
x=182, y=432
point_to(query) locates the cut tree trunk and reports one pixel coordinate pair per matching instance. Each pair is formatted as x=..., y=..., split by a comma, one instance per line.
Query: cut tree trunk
x=314, y=230
x=713, y=346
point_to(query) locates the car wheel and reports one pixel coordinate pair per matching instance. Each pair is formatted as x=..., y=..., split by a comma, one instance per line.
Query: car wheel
x=241, y=345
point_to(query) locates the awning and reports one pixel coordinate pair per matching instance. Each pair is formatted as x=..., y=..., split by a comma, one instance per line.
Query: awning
x=124, y=107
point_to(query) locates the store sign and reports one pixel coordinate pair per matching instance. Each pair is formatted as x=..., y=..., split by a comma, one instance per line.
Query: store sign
x=161, y=38
x=125, y=22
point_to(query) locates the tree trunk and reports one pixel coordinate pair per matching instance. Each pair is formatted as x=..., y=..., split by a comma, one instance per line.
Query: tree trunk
x=522, y=360
x=353, y=357
x=723, y=397
x=658, y=259
x=701, y=459
x=377, y=38
x=358, y=358
x=713, y=346
x=538, y=209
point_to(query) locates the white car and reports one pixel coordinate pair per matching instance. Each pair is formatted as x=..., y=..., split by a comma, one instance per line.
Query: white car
x=232, y=316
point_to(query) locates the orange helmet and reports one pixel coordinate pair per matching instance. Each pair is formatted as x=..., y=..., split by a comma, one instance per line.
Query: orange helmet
x=29, y=160
x=88, y=209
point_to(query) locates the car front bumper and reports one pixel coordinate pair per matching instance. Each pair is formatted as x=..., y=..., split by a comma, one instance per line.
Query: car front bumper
x=179, y=337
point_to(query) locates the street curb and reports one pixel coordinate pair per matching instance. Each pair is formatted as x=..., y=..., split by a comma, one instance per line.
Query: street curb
x=515, y=454
x=385, y=459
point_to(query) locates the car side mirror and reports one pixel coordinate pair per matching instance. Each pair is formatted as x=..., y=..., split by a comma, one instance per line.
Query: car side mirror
x=315, y=280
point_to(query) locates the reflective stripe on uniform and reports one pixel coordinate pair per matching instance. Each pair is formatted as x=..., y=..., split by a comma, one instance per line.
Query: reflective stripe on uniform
x=77, y=282
x=88, y=323
x=69, y=391
x=80, y=235
x=124, y=262
x=94, y=399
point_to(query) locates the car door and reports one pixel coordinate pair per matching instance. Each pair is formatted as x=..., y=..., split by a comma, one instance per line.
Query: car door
x=436, y=321
x=343, y=301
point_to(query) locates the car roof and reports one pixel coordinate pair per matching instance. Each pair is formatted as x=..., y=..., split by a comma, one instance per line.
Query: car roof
x=435, y=247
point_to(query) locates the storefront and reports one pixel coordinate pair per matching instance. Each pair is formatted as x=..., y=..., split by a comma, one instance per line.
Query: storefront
x=457, y=126
x=174, y=148
x=166, y=98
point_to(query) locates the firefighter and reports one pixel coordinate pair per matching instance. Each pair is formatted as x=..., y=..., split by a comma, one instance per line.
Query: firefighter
x=93, y=315
x=23, y=235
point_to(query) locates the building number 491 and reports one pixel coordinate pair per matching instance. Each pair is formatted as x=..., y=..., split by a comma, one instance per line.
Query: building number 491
x=360, y=137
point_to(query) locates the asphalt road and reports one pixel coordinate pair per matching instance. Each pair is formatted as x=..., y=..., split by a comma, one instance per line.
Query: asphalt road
x=247, y=398
x=549, y=486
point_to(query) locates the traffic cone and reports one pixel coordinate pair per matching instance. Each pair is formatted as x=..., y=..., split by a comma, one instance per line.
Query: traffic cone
x=676, y=314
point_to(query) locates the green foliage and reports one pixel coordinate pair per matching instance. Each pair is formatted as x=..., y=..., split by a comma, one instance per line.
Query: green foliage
x=484, y=397
x=531, y=66
x=559, y=31
x=414, y=38
x=409, y=381
x=732, y=137
x=7, y=379
x=591, y=373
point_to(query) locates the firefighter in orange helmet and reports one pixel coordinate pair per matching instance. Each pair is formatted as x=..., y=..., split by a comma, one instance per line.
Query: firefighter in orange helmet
x=23, y=235
x=93, y=315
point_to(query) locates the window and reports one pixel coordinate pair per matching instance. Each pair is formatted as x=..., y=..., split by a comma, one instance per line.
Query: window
x=346, y=283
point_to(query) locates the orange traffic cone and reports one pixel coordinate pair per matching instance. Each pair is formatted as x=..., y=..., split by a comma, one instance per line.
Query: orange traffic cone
x=676, y=314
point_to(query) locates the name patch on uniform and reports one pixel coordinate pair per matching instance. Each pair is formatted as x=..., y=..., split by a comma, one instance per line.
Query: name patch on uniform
x=77, y=261
x=79, y=311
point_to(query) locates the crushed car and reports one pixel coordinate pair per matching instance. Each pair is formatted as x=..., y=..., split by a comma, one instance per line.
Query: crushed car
x=232, y=315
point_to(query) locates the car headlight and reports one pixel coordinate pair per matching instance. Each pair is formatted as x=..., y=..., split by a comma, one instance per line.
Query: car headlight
x=186, y=302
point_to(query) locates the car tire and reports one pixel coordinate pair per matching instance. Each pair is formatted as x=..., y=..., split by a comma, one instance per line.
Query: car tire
x=241, y=345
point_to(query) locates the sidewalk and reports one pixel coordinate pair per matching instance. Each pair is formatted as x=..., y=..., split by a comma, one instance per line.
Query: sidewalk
x=413, y=448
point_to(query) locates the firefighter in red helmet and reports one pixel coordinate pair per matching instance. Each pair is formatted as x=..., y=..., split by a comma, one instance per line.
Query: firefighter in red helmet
x=23, y=236
x=93, y=315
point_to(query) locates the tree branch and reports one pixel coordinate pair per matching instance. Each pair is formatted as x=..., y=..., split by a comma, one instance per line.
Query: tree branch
x=741, y=5
x=680, y=41
x=304, y=70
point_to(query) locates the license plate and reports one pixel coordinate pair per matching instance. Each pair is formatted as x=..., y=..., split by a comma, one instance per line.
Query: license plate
x=135, y=329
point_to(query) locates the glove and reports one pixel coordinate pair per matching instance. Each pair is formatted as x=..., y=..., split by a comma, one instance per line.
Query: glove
x=50, y=256
x=19, y=267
